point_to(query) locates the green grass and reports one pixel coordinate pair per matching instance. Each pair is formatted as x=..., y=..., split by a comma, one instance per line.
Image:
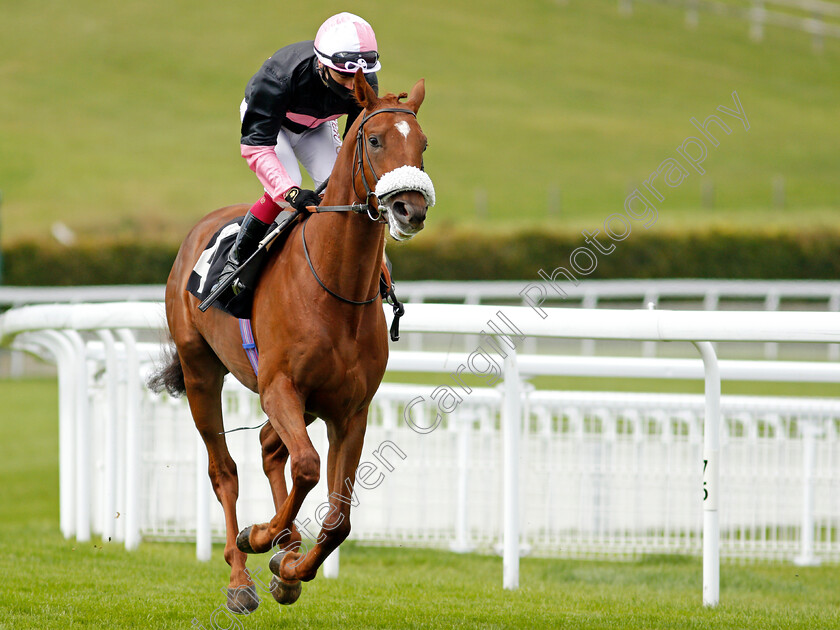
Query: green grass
x=122, y=117
x=55, y=583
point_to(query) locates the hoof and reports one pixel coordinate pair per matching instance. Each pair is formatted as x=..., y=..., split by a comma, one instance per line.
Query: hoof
x=284, y=592
x=243, y=542
x=243, y=600
x=274, y=563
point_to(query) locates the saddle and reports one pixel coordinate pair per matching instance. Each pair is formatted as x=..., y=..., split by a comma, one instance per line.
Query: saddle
x=212, y=261
x=209, y=266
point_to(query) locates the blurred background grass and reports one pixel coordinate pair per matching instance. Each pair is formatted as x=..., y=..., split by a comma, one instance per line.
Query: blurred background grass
x=122, y=118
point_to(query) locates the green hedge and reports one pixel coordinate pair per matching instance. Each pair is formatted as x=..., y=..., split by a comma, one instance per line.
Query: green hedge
x=87, y=264
x=708, y=254
x=461, y=255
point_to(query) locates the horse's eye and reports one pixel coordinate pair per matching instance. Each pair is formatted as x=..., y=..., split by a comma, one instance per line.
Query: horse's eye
x=374, y=141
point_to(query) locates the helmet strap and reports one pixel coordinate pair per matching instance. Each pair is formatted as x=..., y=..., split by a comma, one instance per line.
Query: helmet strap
x=335, y=86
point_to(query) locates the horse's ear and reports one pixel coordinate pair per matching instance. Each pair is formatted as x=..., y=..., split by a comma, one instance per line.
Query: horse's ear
x=418, y=93
x=364, y=93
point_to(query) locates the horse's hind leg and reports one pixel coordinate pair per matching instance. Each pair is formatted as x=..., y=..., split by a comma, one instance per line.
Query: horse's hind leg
x=204, y=377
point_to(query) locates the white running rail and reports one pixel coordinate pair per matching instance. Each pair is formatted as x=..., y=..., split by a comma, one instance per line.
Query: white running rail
x=770, y=295
x=63, y=330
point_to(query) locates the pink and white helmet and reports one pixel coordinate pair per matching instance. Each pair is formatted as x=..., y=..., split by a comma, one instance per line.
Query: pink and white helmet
x=345, y=43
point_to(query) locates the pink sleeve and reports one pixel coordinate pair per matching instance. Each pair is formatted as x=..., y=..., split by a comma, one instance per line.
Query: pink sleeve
x=263, y=161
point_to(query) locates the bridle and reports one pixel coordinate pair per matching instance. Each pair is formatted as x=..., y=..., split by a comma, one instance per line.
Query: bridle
x=362, y=156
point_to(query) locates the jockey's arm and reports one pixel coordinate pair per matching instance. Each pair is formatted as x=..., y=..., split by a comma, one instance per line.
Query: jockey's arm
x=261, y=122
x=274, y=178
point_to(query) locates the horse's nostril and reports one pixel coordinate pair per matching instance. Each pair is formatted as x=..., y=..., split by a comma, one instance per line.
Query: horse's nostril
x=408, y=212
x=401, y=208
x=418, y=216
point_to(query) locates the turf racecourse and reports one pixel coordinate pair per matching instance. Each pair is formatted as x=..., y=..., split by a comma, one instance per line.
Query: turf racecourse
x=50, y=582
x=124, y=120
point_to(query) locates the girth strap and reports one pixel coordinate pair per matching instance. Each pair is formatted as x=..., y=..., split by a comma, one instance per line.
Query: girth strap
x=249, y=344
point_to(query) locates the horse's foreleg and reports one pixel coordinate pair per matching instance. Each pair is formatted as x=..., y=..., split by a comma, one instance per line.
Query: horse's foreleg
x=204, y=392
x=274, y=457
x=284, y=408
x=345, y=450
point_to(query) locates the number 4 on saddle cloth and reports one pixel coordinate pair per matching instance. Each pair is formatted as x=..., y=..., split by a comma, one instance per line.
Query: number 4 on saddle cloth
x=209, y=266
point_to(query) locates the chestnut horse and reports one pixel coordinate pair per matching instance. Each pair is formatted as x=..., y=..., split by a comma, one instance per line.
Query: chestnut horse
x=323, y=347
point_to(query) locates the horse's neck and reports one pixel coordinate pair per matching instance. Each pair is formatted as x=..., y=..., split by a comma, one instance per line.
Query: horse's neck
x=346, y=248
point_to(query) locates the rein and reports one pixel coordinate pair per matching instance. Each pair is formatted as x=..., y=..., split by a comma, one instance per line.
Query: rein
x=357, y=208
x=386, y=293
x=324, y=286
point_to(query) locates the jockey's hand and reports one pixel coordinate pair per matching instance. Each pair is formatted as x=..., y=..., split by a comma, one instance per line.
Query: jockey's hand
x=300, y=198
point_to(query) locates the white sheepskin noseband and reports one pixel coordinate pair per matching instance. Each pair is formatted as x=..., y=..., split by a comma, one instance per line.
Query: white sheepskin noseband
x=406, y=178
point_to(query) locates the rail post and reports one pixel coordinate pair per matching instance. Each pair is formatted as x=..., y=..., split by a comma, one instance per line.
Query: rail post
x=82, y=436
x=107, y=516
x=62, y=349
x=806, y=558
x=461, y=544
x=711, y=475
x=133, y=440
x=512, y=425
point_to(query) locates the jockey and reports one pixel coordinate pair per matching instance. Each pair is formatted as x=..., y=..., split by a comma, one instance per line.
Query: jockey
x=289, y=113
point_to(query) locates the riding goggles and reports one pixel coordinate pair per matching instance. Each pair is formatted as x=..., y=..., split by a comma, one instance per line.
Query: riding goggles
x=352, y=61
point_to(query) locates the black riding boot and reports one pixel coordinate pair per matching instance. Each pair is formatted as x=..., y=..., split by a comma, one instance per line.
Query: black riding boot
x=250, y=234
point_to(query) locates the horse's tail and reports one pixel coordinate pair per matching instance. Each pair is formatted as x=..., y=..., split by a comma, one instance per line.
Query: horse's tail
x=170, y=376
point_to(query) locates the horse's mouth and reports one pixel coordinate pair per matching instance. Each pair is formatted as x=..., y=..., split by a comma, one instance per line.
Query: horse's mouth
x=404, y=219
x=398, y=235
x=401, y=232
